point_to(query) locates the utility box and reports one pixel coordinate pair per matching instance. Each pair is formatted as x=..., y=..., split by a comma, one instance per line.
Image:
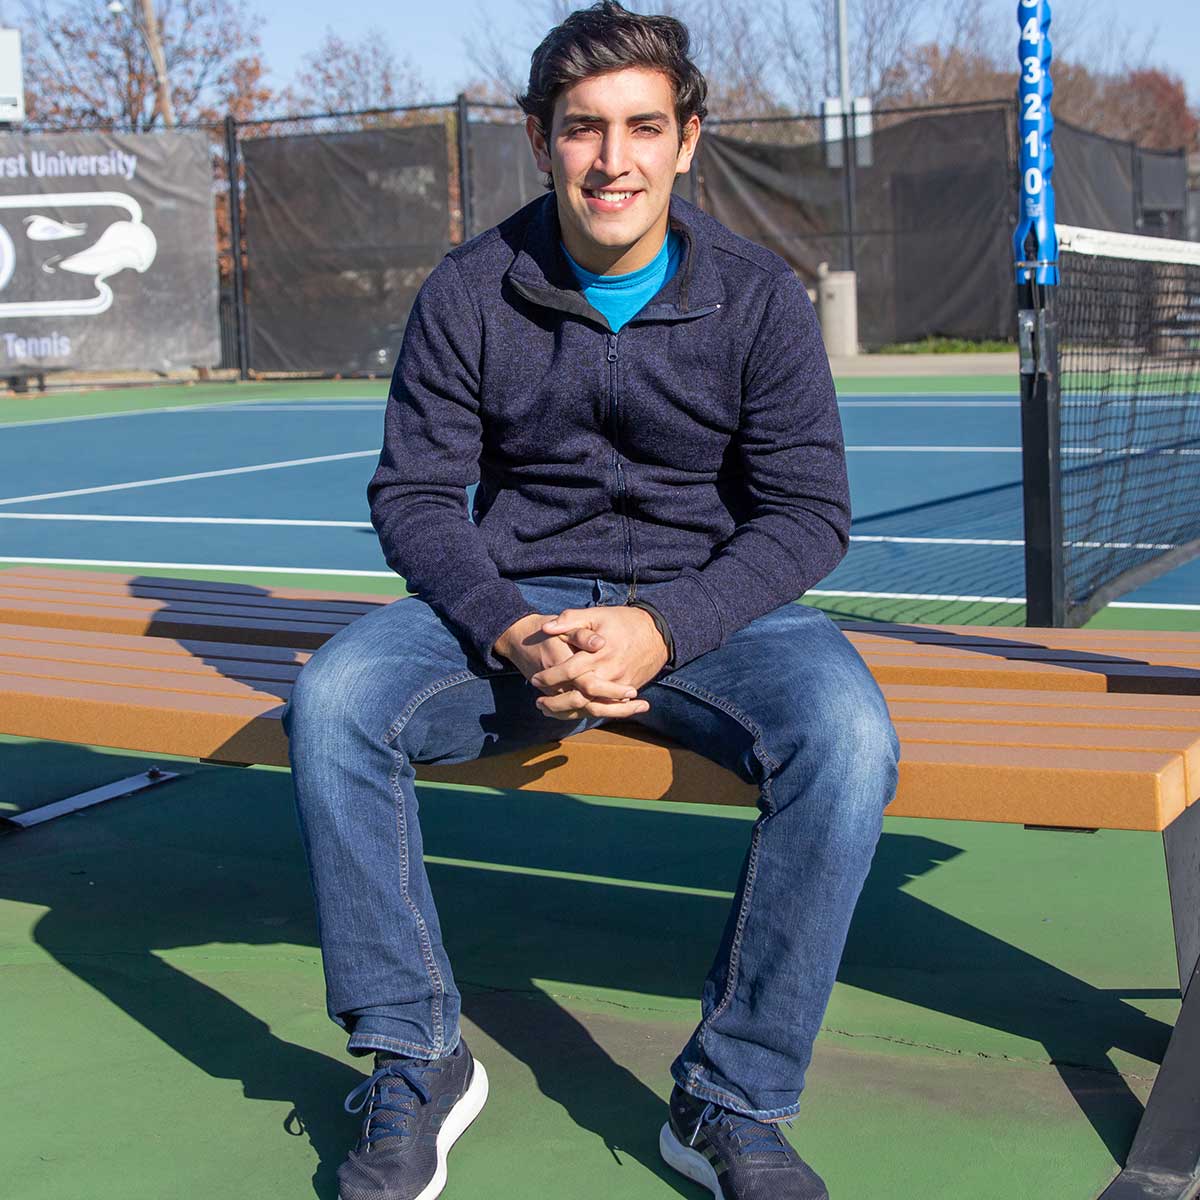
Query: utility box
x=837, y=308
x=12, y=78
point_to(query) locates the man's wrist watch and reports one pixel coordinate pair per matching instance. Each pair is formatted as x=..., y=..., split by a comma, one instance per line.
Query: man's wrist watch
x=660, y=624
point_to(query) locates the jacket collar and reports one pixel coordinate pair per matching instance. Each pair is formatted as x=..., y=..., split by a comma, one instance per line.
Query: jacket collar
x=541, y=273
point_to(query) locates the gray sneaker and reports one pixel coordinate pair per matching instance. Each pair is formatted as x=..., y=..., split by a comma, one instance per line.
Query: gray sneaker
x=415, y=1110
x=735, y=1157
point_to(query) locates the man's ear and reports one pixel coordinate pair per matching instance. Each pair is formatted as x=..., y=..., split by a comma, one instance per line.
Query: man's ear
x=537, y=139
x=687, y=148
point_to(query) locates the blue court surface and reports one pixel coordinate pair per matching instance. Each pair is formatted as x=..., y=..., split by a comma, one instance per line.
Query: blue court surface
x=279, y=485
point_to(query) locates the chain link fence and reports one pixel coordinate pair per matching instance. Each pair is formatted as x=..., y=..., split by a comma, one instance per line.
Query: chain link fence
x=337, y=218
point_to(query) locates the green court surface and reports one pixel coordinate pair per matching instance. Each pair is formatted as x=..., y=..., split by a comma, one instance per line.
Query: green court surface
x=995, y=1028
x=1003, y=1002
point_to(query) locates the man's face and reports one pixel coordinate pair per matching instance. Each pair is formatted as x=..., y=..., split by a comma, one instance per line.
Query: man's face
x=614, y=151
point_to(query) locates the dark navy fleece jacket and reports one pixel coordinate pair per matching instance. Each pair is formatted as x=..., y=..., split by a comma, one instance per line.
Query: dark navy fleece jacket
x=700, y=448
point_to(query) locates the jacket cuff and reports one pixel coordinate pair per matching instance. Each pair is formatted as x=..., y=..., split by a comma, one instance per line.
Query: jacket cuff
x=692, y=616
x=484, y=613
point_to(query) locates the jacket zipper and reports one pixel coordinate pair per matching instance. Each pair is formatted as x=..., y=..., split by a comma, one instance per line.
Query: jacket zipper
x=615, y=426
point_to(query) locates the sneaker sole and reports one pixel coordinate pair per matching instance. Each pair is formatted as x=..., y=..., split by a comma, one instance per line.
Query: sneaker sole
x=688, y=1162
x=455, y=1125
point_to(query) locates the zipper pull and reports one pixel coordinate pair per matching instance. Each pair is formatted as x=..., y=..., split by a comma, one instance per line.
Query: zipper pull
x=612, y=347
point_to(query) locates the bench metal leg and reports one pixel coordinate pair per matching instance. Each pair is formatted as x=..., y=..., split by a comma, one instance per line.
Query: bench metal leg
x=110, y=791
x=1164, y=1162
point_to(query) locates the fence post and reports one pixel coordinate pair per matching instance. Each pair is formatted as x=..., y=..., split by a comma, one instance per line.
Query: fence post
x=464, y=168
x=1139, y=208
x=849, y=150
x=235, y=242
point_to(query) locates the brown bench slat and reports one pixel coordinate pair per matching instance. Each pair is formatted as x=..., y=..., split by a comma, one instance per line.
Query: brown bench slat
x=53, y=639
x=1039, y=697
x=227, y=728
x=1113, y=789
x=945, y=656
x=302, y=635
x=995, y=714
x=984, y=671
x=1185, y=743
x=1087, y=788
x=281, y=611
x=56, y=575
x=15, y=651
x=251, y=651
x=38, y=591
x=1102, y=638
x=198, y=681
x=170, y=675
x=1013, y=652
x=131, y=654
x=205, y=680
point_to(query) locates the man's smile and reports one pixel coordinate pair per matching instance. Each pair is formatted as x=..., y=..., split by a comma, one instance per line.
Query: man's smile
x=610, y=199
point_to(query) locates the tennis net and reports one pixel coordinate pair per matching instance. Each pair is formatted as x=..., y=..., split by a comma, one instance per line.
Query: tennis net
x=1127, y=313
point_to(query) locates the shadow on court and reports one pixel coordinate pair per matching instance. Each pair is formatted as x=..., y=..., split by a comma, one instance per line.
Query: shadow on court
x=216, y=858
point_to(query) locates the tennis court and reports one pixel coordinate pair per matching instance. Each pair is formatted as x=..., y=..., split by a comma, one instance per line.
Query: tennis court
x=271, y=479
x=162, y=948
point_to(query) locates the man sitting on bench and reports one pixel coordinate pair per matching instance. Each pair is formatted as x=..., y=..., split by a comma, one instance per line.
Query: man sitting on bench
x=647, y=404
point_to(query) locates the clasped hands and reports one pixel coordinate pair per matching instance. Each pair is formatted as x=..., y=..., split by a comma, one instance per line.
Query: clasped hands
x=587, y=662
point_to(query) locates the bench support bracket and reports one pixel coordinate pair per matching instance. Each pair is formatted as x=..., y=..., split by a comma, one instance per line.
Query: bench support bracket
x=110, y=791
x=1164, y=1162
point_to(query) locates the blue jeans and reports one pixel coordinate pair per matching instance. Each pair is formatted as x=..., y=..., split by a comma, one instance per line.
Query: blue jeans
x=786, y=703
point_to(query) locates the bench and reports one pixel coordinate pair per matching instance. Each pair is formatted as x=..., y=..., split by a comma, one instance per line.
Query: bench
x=1080, y=729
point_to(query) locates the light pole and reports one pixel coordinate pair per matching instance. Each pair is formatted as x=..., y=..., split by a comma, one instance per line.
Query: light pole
x=148, y=28
x=843, y=44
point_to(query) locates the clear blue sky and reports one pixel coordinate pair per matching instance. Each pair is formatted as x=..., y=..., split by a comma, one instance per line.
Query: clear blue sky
x=431, y=35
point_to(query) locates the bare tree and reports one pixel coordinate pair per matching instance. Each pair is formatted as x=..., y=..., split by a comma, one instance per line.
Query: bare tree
x=347, y=76
x=85, y=67
x=764, y=59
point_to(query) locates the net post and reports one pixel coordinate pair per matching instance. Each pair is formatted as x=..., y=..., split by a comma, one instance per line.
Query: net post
x=464, y=169
x=1037, y=338
x=235, y=245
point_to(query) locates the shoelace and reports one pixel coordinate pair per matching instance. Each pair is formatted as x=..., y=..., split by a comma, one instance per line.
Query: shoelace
x=763, y=1138
x=400, y=1083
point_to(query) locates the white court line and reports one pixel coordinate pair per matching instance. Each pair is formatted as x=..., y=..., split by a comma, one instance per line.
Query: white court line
x=202, y=407
x=1094, y=450
x=1091, y=451
x=929, y=404
x=265, y=570
x=949, y=541
x=184, y=520
x=368, y=406
x=951, y=397
x=131, y=412
x=915, y=596
x=1159, y=400
x=892, y=539
x=138, y=483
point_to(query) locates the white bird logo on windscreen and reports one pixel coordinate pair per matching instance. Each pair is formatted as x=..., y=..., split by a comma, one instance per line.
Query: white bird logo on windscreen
x=41, y=228
x=124, y=245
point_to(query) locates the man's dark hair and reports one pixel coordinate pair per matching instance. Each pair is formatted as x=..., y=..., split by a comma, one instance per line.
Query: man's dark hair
x=607, y=37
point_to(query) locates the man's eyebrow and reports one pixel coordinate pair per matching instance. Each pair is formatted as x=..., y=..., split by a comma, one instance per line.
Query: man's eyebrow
x=594, y=119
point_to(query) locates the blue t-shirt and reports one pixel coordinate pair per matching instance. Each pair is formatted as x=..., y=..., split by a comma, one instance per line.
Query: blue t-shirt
x=622, y=297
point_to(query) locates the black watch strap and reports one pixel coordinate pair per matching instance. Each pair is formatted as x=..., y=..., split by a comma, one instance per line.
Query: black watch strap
x=660, y=624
